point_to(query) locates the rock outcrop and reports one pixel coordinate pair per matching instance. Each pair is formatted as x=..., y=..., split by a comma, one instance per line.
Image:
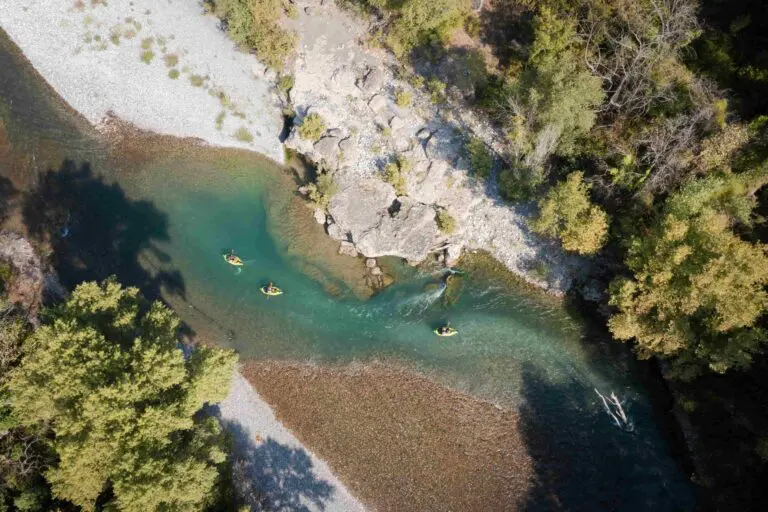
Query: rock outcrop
x=353, y=89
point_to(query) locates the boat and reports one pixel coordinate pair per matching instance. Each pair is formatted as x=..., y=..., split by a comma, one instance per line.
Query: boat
x=449, y=331
x=274, y=291
x=233, y=260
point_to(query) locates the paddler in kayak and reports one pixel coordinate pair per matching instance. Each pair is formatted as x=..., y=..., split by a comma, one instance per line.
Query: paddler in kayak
x=446, y=330
x=232, y=259
x=271, y=290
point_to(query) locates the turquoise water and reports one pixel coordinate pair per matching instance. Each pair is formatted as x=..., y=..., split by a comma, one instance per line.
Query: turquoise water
x=159, y=213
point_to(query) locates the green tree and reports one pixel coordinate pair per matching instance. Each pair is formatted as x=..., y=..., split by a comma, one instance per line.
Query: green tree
x=566, y=213
x=105, y=373
x=696, y=289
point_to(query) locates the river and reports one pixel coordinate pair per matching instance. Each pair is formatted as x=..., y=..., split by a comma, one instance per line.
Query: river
x=159, y=212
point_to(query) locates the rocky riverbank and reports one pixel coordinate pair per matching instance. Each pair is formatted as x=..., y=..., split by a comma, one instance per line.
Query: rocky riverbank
x=354, y=90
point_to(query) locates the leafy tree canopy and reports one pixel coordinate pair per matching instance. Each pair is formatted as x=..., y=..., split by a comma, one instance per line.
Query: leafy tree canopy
x=107, y=375
x=566, y=213
x=697, y=289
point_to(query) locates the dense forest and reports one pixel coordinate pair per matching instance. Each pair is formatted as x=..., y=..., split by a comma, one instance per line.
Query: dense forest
x=100, y=409
x=640, y=128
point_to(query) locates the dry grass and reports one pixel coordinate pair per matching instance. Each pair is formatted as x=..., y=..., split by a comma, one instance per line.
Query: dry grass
x=398, y=440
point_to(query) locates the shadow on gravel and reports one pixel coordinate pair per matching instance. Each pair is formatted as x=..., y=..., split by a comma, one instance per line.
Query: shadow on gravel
x=95, y=230
x=275, y=477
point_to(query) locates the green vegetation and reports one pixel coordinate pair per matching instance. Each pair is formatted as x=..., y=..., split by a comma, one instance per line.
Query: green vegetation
x=147, y=43
x=147, y=56
x=566, y=213
x=697, y=289
x=480, y=158
x=255, y=24
x=394, y=174
x=403, y=98
x=243, y=135
x=220, y=119
x=173, y=74
x=171, y=60
x=312, y=127
x=196, y=80
x=105, y=408
x=285, y=83
x=445, y=221
x=436, y=90
x=322, y=189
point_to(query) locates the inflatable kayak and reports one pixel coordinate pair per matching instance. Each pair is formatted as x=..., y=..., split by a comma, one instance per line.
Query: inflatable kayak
x=275, y=291
x=233, y=260
x=449, y=332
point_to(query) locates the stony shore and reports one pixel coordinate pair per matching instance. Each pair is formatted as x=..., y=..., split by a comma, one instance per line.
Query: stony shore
x=353, y=88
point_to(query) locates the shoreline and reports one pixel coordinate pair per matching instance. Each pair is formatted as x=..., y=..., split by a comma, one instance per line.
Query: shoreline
x=118, y=60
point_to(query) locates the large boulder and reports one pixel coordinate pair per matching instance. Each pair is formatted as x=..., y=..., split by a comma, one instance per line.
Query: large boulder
x=410, y=232
x=360, y=207
x=328, y=149
x=372, y=82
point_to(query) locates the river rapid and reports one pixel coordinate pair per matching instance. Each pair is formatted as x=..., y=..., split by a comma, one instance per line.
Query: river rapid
x=159, y=213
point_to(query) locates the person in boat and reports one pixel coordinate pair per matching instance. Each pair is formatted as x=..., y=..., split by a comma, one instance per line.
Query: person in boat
x=444, y=329
x=231, y=258
x=269, y=288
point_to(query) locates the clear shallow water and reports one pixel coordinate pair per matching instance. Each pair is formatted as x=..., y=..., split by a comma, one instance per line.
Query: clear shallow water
x=160, y=212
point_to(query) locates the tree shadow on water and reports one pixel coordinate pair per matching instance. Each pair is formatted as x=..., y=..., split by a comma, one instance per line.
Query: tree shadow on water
x=583, y=462
x=275, y=477
x=95, y=230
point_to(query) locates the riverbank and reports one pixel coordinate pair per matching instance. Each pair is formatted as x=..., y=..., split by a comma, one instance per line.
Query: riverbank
x=161, y=66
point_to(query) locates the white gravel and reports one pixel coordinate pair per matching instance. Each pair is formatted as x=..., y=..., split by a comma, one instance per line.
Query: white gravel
x=91, y=55
x=285, y=475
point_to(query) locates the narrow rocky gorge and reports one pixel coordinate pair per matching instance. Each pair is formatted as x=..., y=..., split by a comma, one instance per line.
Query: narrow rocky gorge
x=353, y=88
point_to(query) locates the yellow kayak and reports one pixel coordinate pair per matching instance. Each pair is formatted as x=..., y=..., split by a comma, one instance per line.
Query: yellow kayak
x=274, y=292
x=233, y=260
x=449, y=331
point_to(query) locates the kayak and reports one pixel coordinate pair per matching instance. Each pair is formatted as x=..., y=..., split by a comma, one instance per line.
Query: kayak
x=233, y=260
x=274, y=292
x=451, y=332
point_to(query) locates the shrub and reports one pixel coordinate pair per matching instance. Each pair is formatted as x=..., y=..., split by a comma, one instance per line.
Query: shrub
x=147, y=43
x=394, y=176
x=519, y=184
x=171, y=60
x=220, y=120
x=173, y=74
x=436, y=90
x=445, y=221
x=312, y=127
x=403, y=98
x=422, y=22
x=322, y=190
x=566, y=213
x=481, y=159
x=285, y=83
x=255, y=24
x=147, y=56
x=243, y=135
x=196, y=80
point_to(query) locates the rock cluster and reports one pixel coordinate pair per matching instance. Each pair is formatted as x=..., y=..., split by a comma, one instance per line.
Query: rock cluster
x=353, y=90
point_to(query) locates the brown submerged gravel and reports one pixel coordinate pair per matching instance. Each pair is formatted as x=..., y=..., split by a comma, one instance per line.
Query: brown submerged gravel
x=399, y=441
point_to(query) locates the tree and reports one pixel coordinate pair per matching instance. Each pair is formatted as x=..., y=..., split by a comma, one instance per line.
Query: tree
x=566, y=213
x=106, y=374
x=697, y=289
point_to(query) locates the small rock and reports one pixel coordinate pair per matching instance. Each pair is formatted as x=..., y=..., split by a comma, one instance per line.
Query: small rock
x=348, y=249
x=423, y=134
x=376, y=271
x=335, y=132
x=304, y=190
x=452, y=254
x=334, y=231
x=396, y=123
x=378, y=103
x=387, y=280
x=319, y=216
x=346, y=145
x=372, y=81
x=370, y=262
x=309, y=10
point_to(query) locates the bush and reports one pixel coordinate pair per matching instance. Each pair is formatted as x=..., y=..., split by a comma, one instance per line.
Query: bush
x=173, y=74
x=196, y=80
x=481, y=159
x=147, y=56
x=422, y=22
x=312, y=127
x=445, y=221
x=256, y=24
x=436, y=90
x=243, y=135
x=394, y=177
x=403, y=98
x=322, y=190
x=171, y=60
x=519, y=184
x=285, y=83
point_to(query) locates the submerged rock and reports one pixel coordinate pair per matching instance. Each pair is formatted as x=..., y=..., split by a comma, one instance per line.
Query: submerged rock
x=347, y=249
x=319, y=215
